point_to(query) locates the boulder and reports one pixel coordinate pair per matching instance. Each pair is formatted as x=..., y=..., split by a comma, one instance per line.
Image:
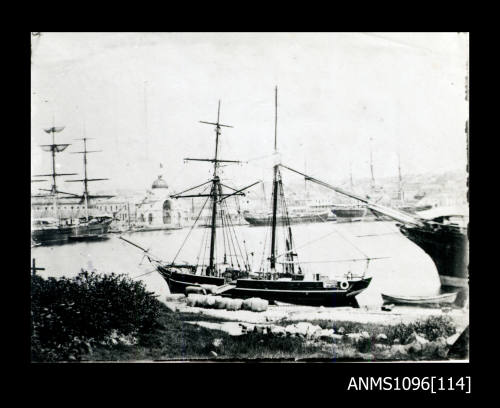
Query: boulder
x=381, y=337
x=217, y=342
x=278, y=331
x=174, y=297
x=354, y=336
x=327, y=333
x=290, y=330
x=341, y=330
x=416, y=338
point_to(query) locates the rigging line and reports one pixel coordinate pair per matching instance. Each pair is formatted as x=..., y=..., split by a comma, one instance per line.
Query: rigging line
x=203, y=237
x=338, y=260
x=144, y=274
x=190, y=230
x=238, y=244
x=232, y=247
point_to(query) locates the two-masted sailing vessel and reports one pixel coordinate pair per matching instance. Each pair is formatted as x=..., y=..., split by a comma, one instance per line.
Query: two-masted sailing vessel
x=281, y=279
x=59, y=229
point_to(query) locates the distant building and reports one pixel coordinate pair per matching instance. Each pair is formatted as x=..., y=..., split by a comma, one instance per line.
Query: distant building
x=157, y=210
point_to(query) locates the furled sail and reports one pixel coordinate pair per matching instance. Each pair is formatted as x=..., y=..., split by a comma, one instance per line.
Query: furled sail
x=54, y=129
x=54, y=147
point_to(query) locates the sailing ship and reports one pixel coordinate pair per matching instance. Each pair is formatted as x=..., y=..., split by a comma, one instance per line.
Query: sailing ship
x=283, y=279
x=53, y=229
x=92, y=225
x=296, y=215
x=442, y=234
x=59, y=229
x=208, y=270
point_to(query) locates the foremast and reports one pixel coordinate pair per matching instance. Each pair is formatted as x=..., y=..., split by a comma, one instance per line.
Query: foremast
x=86, y=196
x=275, y=185
x=54, y=148
x=216, y=195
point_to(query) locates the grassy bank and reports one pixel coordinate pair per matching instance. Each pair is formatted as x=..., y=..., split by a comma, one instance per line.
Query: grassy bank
x=111, y=318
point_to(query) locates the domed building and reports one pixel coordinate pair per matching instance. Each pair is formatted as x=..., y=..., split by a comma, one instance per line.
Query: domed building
x=157, y=210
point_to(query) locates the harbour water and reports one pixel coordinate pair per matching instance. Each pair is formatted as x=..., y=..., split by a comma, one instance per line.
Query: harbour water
x=323, y=248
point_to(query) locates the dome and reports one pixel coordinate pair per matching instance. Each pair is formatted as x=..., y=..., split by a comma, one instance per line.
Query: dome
x=159, y=183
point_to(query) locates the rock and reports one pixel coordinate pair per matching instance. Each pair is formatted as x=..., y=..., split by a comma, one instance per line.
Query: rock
x=290, y=330
x=278, y=331
x=414, y=347
x=341, y=330
x=381, y=337
x=260, y=329
x=415, y=338
x=175, y=297
x=327, y=333
x=217, y=342
x=354, y=336
x=304, y=329
x=365, y=335
x=397, y=341
x=247, y=327
x=213, y=353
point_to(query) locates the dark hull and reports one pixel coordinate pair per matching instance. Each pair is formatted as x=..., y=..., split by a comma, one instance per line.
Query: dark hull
x=51, y=236
x=178, y=282
x=352, y=212
x=283, y=221
x=310, y=293
x=447, y=247
x=90, y=231
x=412, y=209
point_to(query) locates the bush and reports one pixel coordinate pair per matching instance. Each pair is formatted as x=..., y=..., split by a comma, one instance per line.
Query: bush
x=70, y=316
x=431, y=328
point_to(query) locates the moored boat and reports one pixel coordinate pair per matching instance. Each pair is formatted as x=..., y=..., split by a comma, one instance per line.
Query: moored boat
x=447, y=298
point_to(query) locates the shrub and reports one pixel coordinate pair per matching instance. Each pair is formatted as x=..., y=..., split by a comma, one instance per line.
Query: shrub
x=432, y=328
x=70, y=316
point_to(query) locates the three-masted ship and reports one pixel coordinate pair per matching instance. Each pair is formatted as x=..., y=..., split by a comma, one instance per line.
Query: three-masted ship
x=59, y=228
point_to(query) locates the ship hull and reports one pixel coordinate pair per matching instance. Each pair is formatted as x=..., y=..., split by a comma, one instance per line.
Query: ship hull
x=341, y=213
x=90, y=231
x=51, y=236
x=447, y=248
x=265, y=221
x=309, y=293
x=178, y=282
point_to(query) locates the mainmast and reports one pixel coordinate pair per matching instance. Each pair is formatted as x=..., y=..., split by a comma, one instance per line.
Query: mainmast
x=86, y=196
x=54, y=148
x=400, y=180
x=215, y=189
x=371, y=165
x=216, y=195
x=275, y=185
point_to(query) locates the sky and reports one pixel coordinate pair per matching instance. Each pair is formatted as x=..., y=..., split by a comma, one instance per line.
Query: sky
x=141, y=97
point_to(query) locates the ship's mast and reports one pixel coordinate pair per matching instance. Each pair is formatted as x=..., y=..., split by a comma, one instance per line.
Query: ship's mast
x=400, y=180
x=86, y=196
x=216, y=195
x=275, y=185
x=371, y=164
x=54, y=148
